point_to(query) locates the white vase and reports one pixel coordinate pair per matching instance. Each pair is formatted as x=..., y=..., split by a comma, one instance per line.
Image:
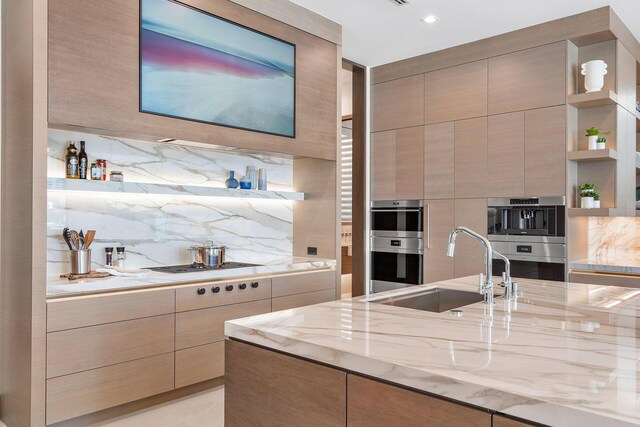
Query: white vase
x=586, y=202
x=596, y=204
x=593, y=142
x=594, y=72
x=600, y=145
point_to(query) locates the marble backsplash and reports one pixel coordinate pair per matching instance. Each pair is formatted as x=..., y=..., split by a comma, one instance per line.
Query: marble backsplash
x=158, y=229
x=614, y=238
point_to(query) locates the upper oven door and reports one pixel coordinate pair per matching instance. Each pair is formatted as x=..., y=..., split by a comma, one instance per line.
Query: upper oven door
x=402, y=221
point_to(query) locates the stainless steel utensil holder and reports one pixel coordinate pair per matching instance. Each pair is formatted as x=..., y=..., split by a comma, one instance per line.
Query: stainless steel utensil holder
x=80, y=261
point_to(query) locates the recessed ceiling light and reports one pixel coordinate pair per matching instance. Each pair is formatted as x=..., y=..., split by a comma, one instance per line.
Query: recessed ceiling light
x=430, y=19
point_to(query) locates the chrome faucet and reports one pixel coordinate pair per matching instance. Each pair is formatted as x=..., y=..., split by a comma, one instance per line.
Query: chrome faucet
x=486, y=281
x=510, y=287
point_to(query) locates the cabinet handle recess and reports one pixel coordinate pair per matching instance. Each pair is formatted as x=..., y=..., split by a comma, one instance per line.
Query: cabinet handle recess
x=428, y=226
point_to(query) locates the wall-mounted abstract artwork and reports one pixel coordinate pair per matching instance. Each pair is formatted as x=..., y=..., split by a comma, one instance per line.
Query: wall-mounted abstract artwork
x=200, y=67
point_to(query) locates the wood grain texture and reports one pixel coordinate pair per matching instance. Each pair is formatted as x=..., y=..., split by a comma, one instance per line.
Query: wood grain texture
x=303, y=282
x=198, y=364
x=529, y=79
x=622, y=33
x=626, y=66
x=397, y=104
x=471, y=158
x=301, y=300
x=94, y=41
x=78, y=312
x=439, y=222
x=628, y=281
x=187, y=297
x=501, y=421
x=383, y=165
x=199, y=327
x=410, y=163
x=584, y=28
x=456, y=93
x=83, y=393
x=469, y=256
x=545, y=151
x=505, y=159
x=404, y=408
x=605, y=118
x=282, y=390
x=77, y=350
x=439, y=161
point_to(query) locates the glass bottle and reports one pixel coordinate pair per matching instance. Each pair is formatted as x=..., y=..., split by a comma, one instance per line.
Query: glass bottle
x=71, y=161
x=232, y=182
x=83, y=162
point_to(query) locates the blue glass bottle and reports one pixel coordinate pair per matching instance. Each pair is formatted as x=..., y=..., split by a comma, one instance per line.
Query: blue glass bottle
x=231, y=182
x=245, y=183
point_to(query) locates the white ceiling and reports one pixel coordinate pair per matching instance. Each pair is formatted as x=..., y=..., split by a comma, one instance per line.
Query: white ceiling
x=377, y=31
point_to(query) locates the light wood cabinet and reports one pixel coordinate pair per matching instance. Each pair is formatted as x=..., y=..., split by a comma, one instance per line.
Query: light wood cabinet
x=439, y=160
x=469, y=255
x=410, y=163
x=300, y=300
x=439, y=222
x=404, y=408
x=502, y=421
x=456, y=93
x=265, y=388
x=383, y=165
x=505, y=158
x=545, y=152
x=397, y=104
x=528, y=79
x=198, y=364
x=471, y=158
x=591, y=278
x=304, y=282
x=188, y=298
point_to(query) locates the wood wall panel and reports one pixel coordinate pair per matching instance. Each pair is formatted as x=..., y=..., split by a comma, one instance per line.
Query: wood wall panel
x=471, y=158
x=500, y=421
x=397, y=104
x=93, y=78
x=439, y=223
x=301, y=300
x=529, y=79
x=383, y=165
x=197, y=364
x=505, y=167
x=456, y=93
x=410, y=163
x=439, y=160
x=469, y=255
x=626, y=80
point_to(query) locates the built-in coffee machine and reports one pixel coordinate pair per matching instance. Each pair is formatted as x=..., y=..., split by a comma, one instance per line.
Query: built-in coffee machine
x=531, y=233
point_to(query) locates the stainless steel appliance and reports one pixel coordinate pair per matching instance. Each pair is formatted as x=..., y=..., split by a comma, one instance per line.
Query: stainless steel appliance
x=531, y=233
x=397, y=246
x=209, y=255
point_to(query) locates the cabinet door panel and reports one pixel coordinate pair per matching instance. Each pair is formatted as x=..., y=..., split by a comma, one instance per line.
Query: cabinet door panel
x=500, y=421
x=300, y=300
x=439, y=223
x=439, y=159
x=404, y=408
x=197, y=364
x=410, y=163
x=383, y=166
x=456, y=93
x=469, y=256
x=301, y=283
x=397, y=104
x=545, y=151
x=471, y=158
x=528, y=79
x=505, y=160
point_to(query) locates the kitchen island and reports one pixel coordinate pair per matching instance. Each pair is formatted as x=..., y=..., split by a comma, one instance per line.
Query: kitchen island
x=563, y=354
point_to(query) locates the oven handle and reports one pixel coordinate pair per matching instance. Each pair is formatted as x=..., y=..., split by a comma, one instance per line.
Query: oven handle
x=395, y=210
x=399, y=251
x=428, y=226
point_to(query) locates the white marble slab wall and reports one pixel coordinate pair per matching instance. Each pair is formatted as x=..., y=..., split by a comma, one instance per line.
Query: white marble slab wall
x=158, y=229
x=614, y=238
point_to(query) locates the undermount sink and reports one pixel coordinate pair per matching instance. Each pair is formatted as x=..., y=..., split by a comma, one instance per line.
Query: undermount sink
x=436, y=300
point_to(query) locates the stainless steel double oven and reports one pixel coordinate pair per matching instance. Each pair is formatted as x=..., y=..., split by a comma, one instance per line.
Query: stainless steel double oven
x=531, y=233
x=397, y=245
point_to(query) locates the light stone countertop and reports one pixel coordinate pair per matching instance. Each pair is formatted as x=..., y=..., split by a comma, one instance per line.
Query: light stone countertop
x=58, y=287
x=618, y=265
x=563, y=355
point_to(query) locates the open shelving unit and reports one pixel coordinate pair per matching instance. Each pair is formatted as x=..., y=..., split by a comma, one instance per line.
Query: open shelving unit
x=593, y=99
x=592, y=155
x=63, y=184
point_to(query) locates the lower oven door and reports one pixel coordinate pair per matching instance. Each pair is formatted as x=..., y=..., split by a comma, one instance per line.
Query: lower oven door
x=396, y=263
x=532, y=270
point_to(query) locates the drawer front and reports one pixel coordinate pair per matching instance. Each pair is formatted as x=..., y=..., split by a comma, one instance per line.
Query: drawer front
x=301, y=283
x=99, y=309
x=198, y=327
x=77, y=350
x=188, y=298
x=90, y=391
x=604, y=279
x=198, y=364
x=300, y=300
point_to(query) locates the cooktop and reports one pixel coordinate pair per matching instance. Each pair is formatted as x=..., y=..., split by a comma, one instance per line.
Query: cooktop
x=193, y=268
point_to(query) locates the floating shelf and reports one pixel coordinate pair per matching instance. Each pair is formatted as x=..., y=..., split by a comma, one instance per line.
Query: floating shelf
x=592, y=155
x=593, y=99
x=592, y=212
x=62, y=184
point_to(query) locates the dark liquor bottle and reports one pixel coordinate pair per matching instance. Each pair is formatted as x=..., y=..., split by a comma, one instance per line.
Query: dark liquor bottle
x=83, y=162
x=71, y=161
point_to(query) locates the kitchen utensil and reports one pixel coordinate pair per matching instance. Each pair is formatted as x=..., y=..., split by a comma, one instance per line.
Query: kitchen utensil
x=81, y=234
x=88, y=238
x=80, y=261
x=209, y=255
x=75, y=239
x=65, y=236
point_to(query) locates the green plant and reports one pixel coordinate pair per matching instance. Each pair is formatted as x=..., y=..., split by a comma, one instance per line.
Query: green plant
x=587, y=187
x=596, y=196
x=601, y=139
x=595, y=132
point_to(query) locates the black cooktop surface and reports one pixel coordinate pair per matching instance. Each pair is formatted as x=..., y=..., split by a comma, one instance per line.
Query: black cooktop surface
x=193, y=268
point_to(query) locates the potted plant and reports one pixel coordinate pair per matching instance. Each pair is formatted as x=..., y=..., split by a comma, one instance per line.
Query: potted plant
x=596, y=199
x=586, y=195
x=594, y=136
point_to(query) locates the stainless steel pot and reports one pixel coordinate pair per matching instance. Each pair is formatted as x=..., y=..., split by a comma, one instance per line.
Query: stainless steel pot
x=209, y=255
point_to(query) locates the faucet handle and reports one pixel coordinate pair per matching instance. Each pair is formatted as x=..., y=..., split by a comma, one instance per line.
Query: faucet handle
x=481, y=284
